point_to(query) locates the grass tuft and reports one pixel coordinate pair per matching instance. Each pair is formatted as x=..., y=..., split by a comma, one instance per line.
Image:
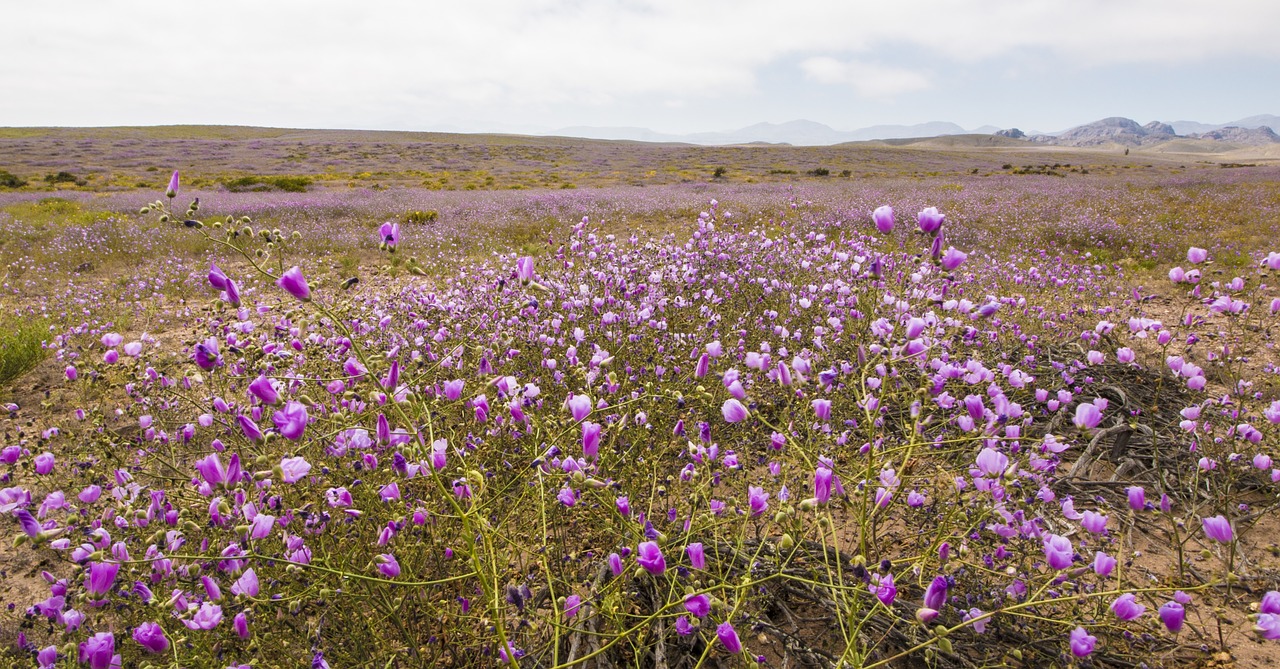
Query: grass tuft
x=21, y=348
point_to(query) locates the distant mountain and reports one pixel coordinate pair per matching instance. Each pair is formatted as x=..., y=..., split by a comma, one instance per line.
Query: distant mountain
x=1261, y=120
x=1251, y=123
x=1113, y=130
x=933, y=129
x=621, y=132
x=798, y=133
x=1190, y=127
x=1127, y=132
x=1248, y=136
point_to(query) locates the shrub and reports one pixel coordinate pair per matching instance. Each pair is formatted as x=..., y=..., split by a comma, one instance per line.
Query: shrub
x=245, y=184
x=819, y=172
x=64, y=178
x=258, y=184
x=428, y=216
x=8, y=180
x=292, y=184
x=719, y=172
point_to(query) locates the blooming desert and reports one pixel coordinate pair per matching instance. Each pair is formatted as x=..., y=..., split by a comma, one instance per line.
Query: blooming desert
x=956, y=421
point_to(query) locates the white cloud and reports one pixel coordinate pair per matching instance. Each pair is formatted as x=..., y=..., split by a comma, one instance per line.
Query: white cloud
x=325, y=62
x=869, y=80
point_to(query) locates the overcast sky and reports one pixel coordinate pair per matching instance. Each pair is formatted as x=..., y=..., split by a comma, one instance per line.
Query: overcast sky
x=670, y=65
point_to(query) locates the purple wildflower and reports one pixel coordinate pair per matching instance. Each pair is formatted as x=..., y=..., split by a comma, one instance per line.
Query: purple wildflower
x=1218, y=529
x=729, y=637
x=649, y=555
x=1082, y=643
x=1172, y=614
x=734, y=411
x=883, y=217
x=99, y=651
x=1058, y=551
x=1126, y=608
x=295, y=284
x=151, y=636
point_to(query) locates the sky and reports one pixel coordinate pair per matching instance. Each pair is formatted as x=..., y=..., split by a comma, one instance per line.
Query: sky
x=674, y=66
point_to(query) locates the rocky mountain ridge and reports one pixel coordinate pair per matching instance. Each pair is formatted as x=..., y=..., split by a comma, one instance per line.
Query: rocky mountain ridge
x=1127, y=132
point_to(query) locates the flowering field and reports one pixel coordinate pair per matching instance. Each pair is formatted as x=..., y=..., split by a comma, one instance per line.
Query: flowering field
x=948, y=421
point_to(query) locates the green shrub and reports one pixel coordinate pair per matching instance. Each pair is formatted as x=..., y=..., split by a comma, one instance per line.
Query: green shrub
x=257, y=184
x=8, y=180
x=292, y=184
x=64, y=178
x=245, y=184
x=20, y=347
x=819, y=172
x=428, y=216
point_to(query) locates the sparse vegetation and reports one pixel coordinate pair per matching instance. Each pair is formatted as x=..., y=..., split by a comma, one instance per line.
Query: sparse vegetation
x=288, y=184
x=1042, y=170
x=21, y=347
